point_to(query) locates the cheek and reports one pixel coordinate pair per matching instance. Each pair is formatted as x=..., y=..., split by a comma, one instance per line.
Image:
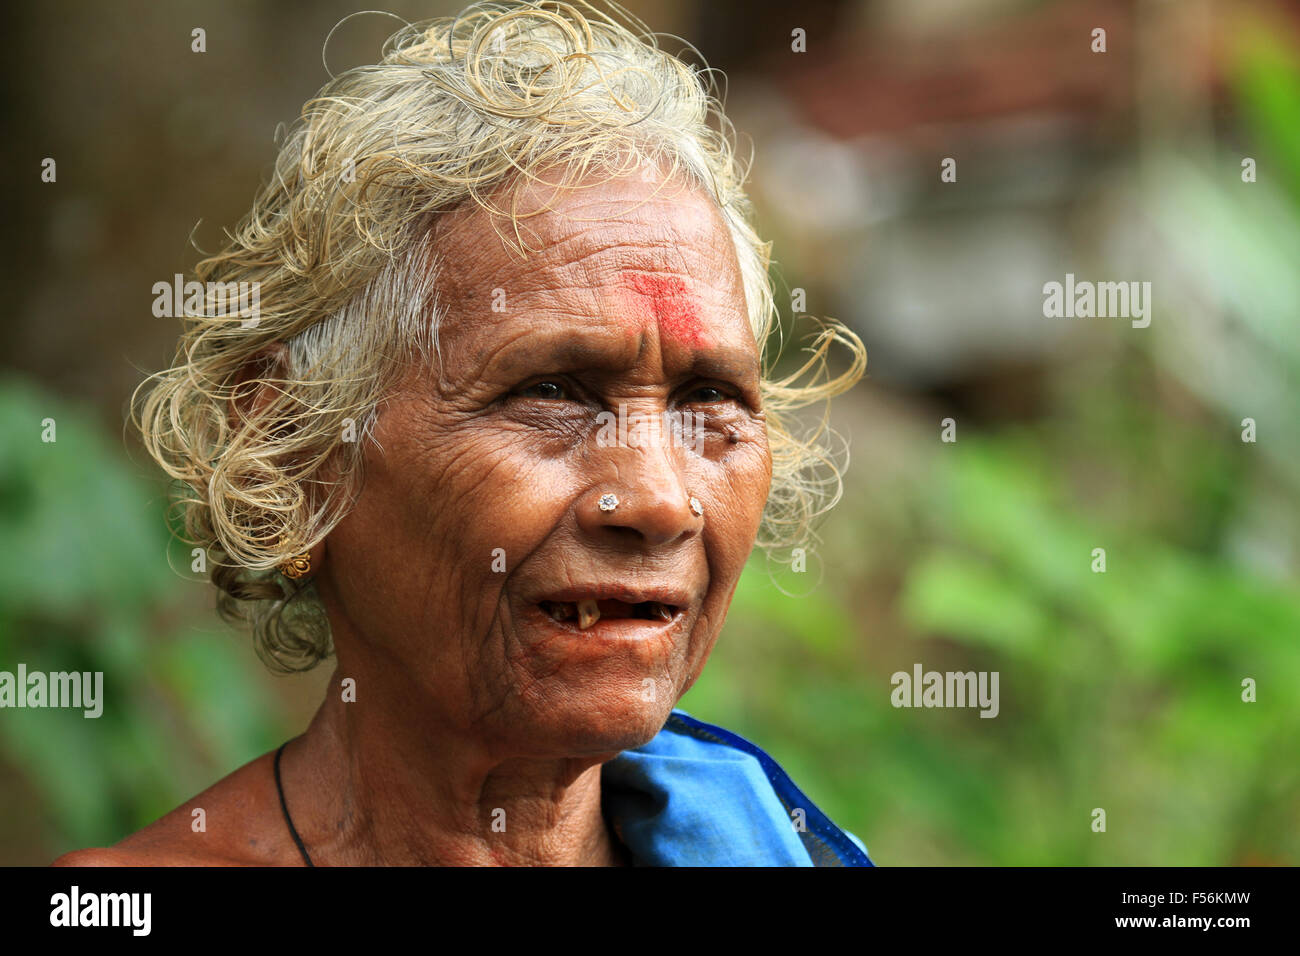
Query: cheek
x=746, y=482
x=445, y=515
x=738, y=496
x=482, y=501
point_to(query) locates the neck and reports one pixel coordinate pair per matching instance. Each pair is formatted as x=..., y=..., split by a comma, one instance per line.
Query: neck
x=370, y=785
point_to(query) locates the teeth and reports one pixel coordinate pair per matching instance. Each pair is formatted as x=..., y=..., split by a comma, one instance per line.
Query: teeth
x=588, y=613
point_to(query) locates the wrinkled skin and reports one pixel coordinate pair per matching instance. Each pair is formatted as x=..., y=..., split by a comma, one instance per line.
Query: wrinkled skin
x=469, y=702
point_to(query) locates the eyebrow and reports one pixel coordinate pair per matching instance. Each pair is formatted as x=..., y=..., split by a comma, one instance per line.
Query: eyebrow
x=727, y=363
x=561, y=354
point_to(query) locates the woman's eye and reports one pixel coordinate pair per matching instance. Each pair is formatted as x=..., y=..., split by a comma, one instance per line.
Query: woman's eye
x=706, y=394
x=547, y=389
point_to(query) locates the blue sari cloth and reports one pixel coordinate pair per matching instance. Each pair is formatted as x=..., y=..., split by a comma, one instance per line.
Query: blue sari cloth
x=699, y=795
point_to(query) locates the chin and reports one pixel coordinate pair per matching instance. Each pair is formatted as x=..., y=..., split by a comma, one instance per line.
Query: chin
x=603, y=724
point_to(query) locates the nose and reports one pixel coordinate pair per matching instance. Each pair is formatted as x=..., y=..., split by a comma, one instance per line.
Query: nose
x=647, y=502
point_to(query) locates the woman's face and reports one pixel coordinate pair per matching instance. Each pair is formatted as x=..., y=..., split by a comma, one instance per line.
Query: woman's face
x=479, y=523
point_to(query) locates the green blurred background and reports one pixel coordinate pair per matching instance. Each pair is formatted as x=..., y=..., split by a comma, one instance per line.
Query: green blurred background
x=1120, y=690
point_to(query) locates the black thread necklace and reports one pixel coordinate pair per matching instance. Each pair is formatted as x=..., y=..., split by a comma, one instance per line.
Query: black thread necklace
x=619, y=846
x=293, y=831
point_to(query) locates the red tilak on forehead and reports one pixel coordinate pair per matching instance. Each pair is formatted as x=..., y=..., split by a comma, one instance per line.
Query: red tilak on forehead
x=671, y=306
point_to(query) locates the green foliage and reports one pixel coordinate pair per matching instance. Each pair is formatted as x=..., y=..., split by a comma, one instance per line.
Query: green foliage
x=1267, y=80
x=86, y=585
x=1120, y=690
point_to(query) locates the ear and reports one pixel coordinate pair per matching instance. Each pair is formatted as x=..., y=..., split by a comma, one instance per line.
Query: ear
x=251, y=390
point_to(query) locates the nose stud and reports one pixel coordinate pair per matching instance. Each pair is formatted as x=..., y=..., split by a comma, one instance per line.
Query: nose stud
x=608, y=502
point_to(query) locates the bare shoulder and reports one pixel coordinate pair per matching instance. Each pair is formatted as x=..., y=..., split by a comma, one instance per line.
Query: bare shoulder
x=98, y=856
x=235, y=822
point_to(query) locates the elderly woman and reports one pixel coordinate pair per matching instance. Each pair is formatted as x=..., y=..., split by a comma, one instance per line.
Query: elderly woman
x=494, y=430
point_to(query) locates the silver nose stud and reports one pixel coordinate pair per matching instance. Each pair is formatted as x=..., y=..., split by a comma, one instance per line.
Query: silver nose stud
x=608, y=502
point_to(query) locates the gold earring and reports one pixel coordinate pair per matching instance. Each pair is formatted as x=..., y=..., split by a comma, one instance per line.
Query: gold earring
x=297, y=566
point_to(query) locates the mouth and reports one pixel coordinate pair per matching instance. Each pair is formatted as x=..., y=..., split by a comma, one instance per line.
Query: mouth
x=587, y=611
x=583, y=608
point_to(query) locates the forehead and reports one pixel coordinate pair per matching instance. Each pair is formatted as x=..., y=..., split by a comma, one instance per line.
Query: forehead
x=622, y=252
x=561, y=225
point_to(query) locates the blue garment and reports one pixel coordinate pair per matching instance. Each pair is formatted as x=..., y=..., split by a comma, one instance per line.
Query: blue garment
x=699, y=795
